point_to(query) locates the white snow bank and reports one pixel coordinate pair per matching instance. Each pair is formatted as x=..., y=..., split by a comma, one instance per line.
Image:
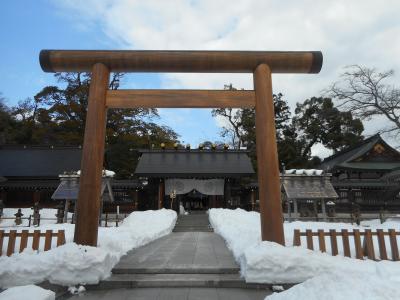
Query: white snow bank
x=73, y=264
x=266, y=262
x=272, y=263
x=341, y=286
x=69, y=264
x=27, y=292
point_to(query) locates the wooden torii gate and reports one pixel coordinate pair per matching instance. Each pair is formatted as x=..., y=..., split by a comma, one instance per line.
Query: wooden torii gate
x=100, y=63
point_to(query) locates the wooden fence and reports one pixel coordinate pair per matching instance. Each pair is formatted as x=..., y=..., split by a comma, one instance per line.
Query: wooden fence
x=365, y=249
x=25, y=234
x=105, y=220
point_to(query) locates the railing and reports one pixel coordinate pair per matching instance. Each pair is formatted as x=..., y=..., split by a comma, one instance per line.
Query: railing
x=366, y=249
x=25, y=234
x=107, y=219
x=104, y=221
x=342, y=217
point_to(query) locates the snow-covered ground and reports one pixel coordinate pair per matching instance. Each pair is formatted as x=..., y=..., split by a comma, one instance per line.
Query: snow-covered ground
x=73, y=264
x=341, y=286
x=27, y=292
x=266, y=262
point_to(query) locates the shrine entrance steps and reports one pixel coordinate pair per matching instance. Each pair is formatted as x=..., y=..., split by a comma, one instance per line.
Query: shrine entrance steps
x=180, y=260
x=194, y=222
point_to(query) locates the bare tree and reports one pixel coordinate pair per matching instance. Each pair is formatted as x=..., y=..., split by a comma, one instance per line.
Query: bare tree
x=366, y=93
x=232, y=130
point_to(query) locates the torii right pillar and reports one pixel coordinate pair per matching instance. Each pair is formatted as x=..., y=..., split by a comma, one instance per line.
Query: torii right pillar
x=267, y=158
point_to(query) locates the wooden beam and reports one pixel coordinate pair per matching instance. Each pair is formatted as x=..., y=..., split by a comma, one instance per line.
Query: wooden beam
x=181, y=61
x=267, y=159
x=180, y=99
x=88, y=205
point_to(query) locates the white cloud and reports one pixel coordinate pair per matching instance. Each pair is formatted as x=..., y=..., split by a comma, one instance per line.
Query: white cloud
x=347, y=32
x=321, y=151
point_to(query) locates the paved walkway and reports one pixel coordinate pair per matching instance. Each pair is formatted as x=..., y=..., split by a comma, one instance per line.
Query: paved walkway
x=188, y=251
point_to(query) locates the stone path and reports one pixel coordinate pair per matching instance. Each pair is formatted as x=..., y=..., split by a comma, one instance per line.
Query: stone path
x=182, y=265
x=188, y=252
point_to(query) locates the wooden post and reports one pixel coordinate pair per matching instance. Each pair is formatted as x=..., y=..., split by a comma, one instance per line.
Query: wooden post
x=334, y=246
x=87, y=219
x=346, y=244
x=321, y=240
x=289, y=208
x=253, y=200
x=296, y=238
x=36, y=196
x=323, y=210
x=66, y=209
x=3, y=196
x=315, y=206
x=161, y=193
x=267, y=159
x=393, y=245
x=227, y=194
x=135, y=199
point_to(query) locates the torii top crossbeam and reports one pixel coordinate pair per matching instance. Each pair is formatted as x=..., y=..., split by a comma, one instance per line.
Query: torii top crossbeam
x=100, y=63
x=181, y=61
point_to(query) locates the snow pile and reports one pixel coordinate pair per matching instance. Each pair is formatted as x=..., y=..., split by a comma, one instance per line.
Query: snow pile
x=266, y=262
x=341, y=286
x=272, y=263
x=138, y=229
x=27, y=292
x=73, y=264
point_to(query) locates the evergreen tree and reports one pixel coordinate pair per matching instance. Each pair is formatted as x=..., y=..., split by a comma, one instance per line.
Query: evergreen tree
x=315, y=121
x=318, y=121
x=57, y=115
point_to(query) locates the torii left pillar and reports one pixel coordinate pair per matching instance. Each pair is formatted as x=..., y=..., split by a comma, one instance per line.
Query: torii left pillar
x=87, y=220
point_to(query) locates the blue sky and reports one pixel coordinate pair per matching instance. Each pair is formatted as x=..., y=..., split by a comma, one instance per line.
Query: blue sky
x=347, y=32
x=26, y=27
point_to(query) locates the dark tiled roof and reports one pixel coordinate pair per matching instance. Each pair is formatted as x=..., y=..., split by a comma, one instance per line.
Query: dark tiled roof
x=346, y=159
x=52, y=184
x=308, y=187
x=371, y=184
x=38, y=161
x=194, y=163
x=69, y=189
x=393, y=176
x=378, y=166
x=26, y=184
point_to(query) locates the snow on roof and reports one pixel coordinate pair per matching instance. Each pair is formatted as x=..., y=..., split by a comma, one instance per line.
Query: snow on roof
x=308, y=172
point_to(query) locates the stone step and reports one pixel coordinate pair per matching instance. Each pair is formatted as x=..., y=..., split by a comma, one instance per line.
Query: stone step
x=192, y=229
x=174, y=280
x=193, y=217
x=192, y=224
x=191, y=270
